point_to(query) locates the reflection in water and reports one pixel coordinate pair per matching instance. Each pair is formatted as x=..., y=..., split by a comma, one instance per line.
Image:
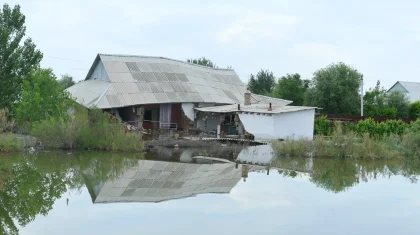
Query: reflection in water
x=29, y=185
x=156, y=181
x=338, y=175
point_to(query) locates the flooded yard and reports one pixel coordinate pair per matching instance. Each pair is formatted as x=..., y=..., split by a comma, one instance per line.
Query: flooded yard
x=232, y=191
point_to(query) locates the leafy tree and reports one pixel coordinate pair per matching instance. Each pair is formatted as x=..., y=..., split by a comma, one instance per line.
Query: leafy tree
x=17, y=58
x=202, y=61
x=42, y=97
x=400, y=101
x=415, y=110
x=374, y=102
x=291, y=87
x=335, y=89
x=263, y=83
x=66, y=81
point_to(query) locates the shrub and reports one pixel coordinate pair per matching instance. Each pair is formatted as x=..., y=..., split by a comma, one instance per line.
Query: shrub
x=415, y=110
x=5, y=123
x=322, y=126
x=293, y=148
x=95, y=130
x=10, y=143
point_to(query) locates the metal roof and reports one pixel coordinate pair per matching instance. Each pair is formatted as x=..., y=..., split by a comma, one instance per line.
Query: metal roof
x=253, y=108
x=412, y=90
x=136, y=80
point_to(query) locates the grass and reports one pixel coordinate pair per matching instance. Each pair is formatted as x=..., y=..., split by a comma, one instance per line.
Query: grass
x=350, y=145
x=10, y=142
x=87, y=130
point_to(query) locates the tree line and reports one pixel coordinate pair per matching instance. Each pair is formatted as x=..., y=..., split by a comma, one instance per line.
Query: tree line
x=335, y=89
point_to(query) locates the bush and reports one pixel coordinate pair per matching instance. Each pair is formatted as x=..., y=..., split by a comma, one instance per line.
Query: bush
x=10, y=143
x=293, y=148
x=97, y=131
x=5, y=123
x=415, y=110
x=106, y=132
x=322, y=126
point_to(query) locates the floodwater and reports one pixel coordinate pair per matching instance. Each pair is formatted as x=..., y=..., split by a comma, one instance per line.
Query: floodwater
x=176, y=192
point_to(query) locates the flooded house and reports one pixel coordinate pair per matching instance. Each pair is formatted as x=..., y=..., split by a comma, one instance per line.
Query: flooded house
x=156, y=93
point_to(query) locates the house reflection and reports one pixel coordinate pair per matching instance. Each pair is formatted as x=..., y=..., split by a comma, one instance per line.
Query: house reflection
x=156, y=181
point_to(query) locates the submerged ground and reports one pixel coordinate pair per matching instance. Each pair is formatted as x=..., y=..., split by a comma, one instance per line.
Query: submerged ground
x=172, y=191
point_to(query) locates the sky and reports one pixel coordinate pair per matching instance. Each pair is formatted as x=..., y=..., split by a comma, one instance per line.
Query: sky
x=380, y=38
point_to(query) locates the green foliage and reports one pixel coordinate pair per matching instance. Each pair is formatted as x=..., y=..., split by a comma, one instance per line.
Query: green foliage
x=382, y=129
x=374, y=102
x=293, y=148
x=42, y=97
x=415, y=110
x=399, y=101
x=6, y=123
x=322, y=126
x=97, y=131
x=202, y=61
x=17, y=58
x=106, y=132
x=263, y=83
x=10, y=143
x=66, y=81
x=336, y=90
x=291, y=87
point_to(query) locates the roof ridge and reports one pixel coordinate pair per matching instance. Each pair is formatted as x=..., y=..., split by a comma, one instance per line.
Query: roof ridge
x=410, y=82
x=165, y=58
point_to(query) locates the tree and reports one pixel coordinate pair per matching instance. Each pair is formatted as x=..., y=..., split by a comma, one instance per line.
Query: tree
x=202, y=61
x=374, y=102
x=335, y=89
x=263, y=83
x=291, y=87
x=17, y=59
x=66, y=81
x=42, y=97
x=415, y=110
x=400, y=101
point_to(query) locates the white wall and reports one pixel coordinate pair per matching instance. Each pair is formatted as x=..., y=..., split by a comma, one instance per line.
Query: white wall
x=261, y=126
x=99, y=73
x=296, y=125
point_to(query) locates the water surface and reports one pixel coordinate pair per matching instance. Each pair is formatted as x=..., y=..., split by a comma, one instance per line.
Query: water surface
x=172, y=192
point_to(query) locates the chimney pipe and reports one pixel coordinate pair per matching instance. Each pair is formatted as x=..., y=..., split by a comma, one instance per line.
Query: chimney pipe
x=270, y=108
x=247, y=97
x=239, y=106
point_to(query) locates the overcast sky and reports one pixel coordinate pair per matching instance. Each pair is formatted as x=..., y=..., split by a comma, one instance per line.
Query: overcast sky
x=380, y=38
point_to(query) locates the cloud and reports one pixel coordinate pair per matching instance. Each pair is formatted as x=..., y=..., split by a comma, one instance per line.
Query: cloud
x=255, y=26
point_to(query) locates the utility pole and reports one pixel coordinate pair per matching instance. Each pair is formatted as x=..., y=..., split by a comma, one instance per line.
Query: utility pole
x=361, y=96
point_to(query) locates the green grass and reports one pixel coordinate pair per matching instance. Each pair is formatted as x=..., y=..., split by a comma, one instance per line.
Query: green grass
x=10, y=142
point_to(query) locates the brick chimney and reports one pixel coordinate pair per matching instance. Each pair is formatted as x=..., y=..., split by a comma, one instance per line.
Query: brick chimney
x=247, y=98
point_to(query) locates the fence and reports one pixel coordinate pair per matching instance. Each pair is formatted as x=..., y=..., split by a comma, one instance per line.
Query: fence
x=359, y=118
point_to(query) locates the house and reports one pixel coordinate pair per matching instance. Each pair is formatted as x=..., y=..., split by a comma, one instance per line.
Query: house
x=411, y=89
x=259, y=121
x=159, y=93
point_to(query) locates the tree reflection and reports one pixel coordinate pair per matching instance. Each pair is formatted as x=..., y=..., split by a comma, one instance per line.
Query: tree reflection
x=30, y=186
x=338, y=175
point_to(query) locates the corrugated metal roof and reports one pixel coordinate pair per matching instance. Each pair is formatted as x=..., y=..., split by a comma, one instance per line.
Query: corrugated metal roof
x=413, y=89
x=146, y=76
x=253, y=108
